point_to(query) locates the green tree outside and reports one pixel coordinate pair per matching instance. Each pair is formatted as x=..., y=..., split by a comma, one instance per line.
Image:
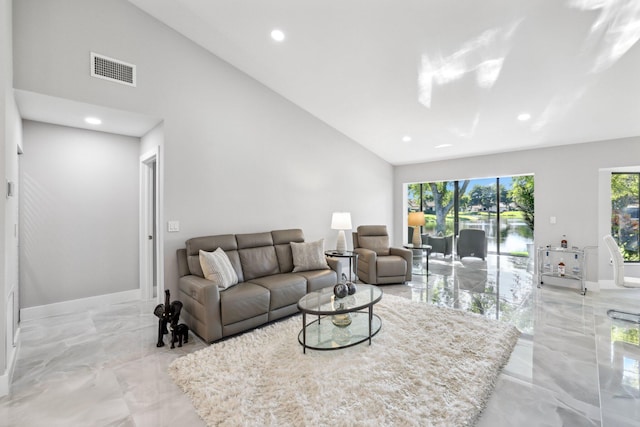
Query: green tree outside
x=522, y=195
x=624, y=213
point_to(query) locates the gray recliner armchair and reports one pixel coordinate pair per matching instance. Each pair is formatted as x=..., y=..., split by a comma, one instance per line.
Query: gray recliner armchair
x=378, y=263
x=471, y=242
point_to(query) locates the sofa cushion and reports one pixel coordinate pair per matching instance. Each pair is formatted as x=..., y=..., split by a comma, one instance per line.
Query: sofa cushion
x=254, y=240
x=286, y=289
x=309, y=256
x=217, y=268
x=285, y=258
x=243, y=301
x=258, y=262
x=318, y=279
x=282, y=240
x=209, y=244
x=257, y=255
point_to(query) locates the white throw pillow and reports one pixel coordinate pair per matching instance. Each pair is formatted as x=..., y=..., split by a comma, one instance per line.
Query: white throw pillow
x=309, y=256
x=217, y=268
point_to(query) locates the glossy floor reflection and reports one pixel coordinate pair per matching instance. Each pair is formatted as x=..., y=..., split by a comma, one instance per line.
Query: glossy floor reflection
x=97, y=368
x=573, y=366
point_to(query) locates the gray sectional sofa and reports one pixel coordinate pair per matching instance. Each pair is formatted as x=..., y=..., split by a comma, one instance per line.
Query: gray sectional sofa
x=268, y=289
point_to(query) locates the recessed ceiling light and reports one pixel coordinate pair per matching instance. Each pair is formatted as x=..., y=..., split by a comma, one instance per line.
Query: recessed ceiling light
x=444, y=145
x=277, y=35
x=93, y=120
x=523, y=117
x=406, y=138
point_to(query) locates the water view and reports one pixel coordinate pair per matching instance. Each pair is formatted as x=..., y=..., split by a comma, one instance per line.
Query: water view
x=502, y=207
x=515, y=234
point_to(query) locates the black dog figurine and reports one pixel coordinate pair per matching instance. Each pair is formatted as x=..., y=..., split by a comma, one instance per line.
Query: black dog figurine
x=179, y=333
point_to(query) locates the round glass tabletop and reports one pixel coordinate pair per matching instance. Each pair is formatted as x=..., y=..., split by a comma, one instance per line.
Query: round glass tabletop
x=323, y=301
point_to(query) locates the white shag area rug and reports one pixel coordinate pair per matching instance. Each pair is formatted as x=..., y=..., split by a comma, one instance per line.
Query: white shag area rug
x=428, y=366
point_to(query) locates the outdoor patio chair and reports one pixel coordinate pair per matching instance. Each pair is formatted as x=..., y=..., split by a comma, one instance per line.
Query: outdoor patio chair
x=439, y=244
x=471, y=242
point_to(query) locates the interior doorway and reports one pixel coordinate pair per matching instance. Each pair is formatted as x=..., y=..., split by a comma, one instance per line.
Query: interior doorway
x=151, y=283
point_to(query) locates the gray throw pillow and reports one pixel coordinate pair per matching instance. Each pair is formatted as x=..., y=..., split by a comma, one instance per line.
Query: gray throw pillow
x=308, y=256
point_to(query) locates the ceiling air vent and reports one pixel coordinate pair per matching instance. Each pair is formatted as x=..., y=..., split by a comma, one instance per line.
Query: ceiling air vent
x=113, y=70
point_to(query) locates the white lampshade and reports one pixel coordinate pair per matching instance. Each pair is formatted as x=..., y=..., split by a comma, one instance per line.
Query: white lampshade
x=341, y=221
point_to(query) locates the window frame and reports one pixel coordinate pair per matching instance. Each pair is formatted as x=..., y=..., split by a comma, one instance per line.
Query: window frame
x=424, y=187
x=612, y=222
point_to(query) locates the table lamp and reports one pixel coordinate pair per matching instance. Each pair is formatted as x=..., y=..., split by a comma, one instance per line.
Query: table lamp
x=341, y=221
x=416, y=219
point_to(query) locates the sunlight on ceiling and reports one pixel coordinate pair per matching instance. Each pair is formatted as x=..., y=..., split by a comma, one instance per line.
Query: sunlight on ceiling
x=467, y=133
x=558, y=107
x=449, y=73
x=614, y=32
x=483, y=55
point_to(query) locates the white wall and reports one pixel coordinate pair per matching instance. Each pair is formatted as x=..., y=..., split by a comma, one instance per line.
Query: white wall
x=238, y=157
x=567, y=186
x=79, y=206
x=10, y=140
x=152, y=139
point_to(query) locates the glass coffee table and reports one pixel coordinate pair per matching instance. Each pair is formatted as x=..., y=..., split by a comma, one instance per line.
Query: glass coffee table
x=340, y=322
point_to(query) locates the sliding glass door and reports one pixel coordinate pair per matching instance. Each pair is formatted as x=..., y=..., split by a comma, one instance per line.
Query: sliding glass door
x=516, y=220
x=502, y=207
x=478, y=209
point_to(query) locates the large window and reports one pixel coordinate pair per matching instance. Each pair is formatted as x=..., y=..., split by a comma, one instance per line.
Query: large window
x=502, y=207
x=625, y=192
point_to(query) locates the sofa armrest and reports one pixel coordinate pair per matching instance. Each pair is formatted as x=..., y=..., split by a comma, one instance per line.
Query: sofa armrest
x=367, y=264
x=201, y=306
x=407, y=254
x=335, y=265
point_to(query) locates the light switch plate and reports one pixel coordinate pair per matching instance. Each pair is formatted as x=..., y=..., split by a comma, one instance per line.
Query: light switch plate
x=173, y=226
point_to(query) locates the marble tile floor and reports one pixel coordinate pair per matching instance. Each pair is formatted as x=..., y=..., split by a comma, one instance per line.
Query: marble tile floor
x=573, y=366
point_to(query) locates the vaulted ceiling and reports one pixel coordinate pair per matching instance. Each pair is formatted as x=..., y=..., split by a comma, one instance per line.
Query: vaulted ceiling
x=423, y=80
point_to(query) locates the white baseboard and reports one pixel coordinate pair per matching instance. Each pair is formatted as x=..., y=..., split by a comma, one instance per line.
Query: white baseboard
x=607, y=285
x=610, y=285
x=77, y=305
x=592, y=286
x=12, y=353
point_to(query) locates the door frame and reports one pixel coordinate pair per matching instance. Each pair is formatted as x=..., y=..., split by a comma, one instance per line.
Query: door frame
x=147, y=209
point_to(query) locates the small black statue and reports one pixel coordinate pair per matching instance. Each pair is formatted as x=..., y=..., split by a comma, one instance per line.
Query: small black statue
x=167, y=314
x=178, y=333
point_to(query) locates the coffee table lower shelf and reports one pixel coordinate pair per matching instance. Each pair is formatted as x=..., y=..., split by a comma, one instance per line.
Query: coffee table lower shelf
x=322, y=334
